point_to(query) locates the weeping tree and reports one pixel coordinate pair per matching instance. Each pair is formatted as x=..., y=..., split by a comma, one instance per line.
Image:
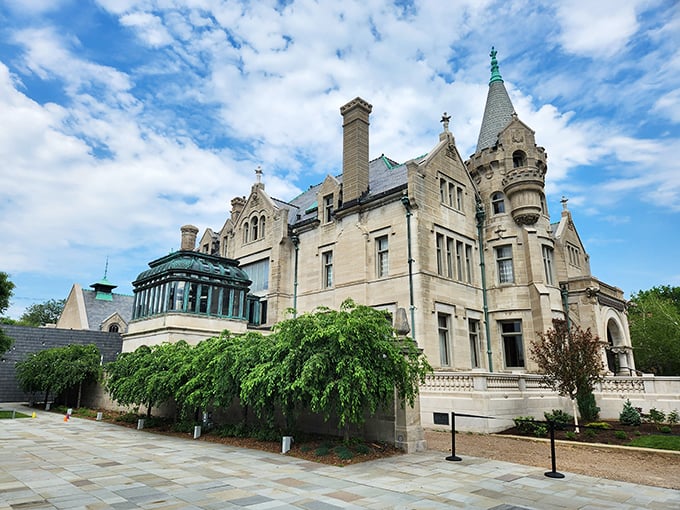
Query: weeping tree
x=59, y=369
x=571, y=363
x=343, y=363
x=149, y=376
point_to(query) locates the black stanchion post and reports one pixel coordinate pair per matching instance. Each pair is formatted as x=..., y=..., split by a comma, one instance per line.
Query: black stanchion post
x=553, y=473
x=453, y=439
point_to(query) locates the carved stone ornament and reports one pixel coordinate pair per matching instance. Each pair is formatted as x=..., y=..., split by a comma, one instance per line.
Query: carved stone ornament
x=451, y=151
x=517, y=136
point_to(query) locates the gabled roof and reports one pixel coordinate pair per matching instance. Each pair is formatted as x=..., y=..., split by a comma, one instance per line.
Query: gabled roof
x=498, y=110
x=99, y=310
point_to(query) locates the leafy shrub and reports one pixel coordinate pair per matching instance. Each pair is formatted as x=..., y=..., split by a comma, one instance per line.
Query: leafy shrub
x=629, y=415
x=570, y=435
x=525, y=424
x=602, y=425
x=362, y=449
x=322, y=451
x=155, y=422
x=657, y=417
x=590, y=433
x=267, y=434
x=620, y=434
x=237, y=430
x=665, y=429
x=540, y=431
x=673, y=417
x=561, y=419
x=343, y=452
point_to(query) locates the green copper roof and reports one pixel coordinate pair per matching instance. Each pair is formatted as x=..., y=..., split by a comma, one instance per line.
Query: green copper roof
x=103, y=289
x=495, y=73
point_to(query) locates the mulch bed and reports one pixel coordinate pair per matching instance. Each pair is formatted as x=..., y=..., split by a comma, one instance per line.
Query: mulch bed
x=605, y=436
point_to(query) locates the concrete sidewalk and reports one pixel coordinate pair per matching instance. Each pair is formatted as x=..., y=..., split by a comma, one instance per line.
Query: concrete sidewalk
x=48, y=463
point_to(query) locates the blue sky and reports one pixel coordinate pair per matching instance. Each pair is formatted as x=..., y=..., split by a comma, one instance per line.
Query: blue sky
x=122, y=120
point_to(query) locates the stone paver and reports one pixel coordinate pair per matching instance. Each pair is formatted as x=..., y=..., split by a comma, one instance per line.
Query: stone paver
x=46, y=463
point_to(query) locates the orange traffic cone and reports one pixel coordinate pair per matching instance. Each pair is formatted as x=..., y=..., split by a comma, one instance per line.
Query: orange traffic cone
x=66, y=418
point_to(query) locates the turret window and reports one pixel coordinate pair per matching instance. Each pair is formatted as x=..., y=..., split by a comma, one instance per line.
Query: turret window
x=548, y=263
x=498, y=203
x=519, y=159
x=327, y=208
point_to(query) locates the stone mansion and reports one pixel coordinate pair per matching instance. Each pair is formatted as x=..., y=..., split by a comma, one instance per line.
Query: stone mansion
x=466, y=247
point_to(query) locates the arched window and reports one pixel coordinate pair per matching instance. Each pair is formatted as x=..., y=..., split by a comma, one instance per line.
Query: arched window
x=519, y=159
x=498, y=202
x=114, y=328
x=245, y=232
x=253, y=228
x=262, y=220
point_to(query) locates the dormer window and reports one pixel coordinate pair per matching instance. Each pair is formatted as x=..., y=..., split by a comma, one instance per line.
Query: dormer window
x=498, y=203
x=519, y=159
x=327, y=208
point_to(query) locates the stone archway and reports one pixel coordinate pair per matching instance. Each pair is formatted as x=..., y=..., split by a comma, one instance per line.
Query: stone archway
x=616, y=349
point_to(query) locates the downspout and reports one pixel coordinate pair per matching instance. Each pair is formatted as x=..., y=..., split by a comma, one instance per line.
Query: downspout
x=564, y=292
x=407, y=205
x=296, y=242
x=481, y=215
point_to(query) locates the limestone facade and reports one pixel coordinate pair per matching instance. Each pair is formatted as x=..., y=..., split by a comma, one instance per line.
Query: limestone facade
x=466, y=247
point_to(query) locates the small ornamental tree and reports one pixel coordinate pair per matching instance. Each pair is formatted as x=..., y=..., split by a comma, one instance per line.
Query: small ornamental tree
x=6, y=291
x=569, y=359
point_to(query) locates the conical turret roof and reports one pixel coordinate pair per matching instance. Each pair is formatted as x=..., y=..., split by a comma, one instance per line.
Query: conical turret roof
x=498, y=110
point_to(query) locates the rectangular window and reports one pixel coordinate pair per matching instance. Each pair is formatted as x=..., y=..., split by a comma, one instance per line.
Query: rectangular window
x=179, y=297
x=459, y=260
x=513, y=345
x=440, y=254
x=215, y=298
x=504, y=264
x=203, y=299
x=468, y=263
x=548, y=263
x=473, y=329
x=327, y=258
x=327, y=208
x=449, y=257
x=258, y=272
x=459, y=199
x=236, y=308
x=443, y=326
x=451, y=193
x=574, y=255
x=381, y=256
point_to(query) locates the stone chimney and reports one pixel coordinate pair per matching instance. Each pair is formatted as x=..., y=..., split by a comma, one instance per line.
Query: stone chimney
x=237, y=205
x=355, y=149
x=188, y=237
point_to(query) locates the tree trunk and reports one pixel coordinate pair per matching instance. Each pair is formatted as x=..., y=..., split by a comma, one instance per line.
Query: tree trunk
x=47, y=394
x=148, y=410
x=573, y=405
x=80, y=393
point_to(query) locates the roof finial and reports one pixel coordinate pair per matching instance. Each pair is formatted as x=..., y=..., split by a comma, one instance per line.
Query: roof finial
x=445, y=120
x=495, y=73
x=564, y=202
x=106, y=268
x=258, y=174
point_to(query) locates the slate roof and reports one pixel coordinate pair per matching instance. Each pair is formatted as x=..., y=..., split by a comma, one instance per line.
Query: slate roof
x=497, y=112
x=99, y=310
x=383, y=175
x=28, y=340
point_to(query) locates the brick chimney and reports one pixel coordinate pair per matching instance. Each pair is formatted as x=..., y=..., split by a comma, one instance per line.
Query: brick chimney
x=188, y=237
x=355, y=149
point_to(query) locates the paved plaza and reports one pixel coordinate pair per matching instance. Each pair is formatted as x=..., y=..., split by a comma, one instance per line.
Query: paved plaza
x=48, y=463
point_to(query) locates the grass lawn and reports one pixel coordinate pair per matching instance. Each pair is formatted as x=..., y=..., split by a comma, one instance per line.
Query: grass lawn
x=657, y=441
x=7, y=415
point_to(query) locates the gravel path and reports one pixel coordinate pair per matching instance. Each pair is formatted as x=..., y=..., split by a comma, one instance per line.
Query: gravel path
x=659, y=469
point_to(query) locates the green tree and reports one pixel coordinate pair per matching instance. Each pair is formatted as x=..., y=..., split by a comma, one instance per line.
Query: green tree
x=59, y=369
x=149, y=376
x=6, y=291
x=654, y=320
x=346, y=363
x=570, y=361
x=40, y=314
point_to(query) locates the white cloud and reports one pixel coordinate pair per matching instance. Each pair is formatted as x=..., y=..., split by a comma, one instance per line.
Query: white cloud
x=148, y=27
x=597, y=29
